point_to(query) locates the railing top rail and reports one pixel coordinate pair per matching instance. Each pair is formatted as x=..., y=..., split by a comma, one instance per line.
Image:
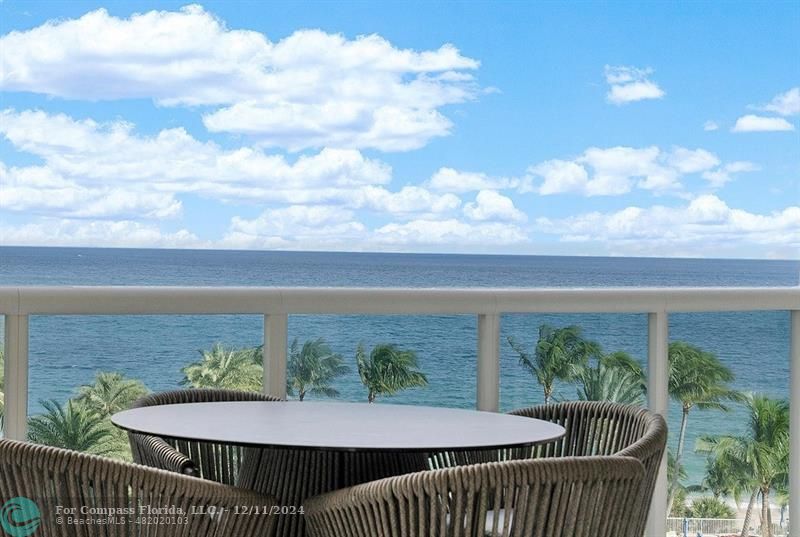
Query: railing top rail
x=134, y=300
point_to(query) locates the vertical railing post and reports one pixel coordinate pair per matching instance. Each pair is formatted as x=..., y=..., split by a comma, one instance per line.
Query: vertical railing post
x=488, y=391
x=276, y=335
x=16, y=377
x=658, y=401
x=794, y=425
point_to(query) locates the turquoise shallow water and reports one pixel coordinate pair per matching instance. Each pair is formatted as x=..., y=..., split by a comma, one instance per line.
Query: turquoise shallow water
x=66, y=351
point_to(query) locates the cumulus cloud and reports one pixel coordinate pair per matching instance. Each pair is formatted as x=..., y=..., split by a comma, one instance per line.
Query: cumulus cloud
x=491, y=205
x=408, y=201
x=73, y=232
x=451, y=180
x=630, y=84
x=710, y=126
x=309, y=227
x=785, y=104
x=724, y=174
x=92, y=161
x=109, y=170
x=754, y=123
x=308, y=90
x=451, y=233
x=617, y=170
x=692, y=161
x=39, y=190
x=705, y=224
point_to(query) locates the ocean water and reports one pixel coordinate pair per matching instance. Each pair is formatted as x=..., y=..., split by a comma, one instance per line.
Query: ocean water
x=67, y=351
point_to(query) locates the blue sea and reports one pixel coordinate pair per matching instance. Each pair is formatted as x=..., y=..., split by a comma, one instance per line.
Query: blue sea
x=67, y=351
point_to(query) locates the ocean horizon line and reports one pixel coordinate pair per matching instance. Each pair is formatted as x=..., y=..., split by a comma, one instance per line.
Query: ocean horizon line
x=397, y=253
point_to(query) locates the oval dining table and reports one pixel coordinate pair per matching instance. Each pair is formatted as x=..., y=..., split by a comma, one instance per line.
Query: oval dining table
x=296, y=450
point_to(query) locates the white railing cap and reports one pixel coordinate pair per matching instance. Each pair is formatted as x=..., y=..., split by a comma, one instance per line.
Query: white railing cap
x=131, y=300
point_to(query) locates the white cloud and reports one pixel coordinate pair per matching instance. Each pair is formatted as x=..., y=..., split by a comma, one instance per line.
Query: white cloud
x=37, y=189
x=706, y=224
x=785, y=104
x=616, y=170
x=304, y=227
x=710, y=126
x=561, y=176
x=490, y=205
x=451, y=233
x=724, y=174
x=692, y=161
x=630, y=84
x=408, y=201
x=310, y=89
x=451, y=180
x=96, y=161
x=754, y=123
x=96, y=233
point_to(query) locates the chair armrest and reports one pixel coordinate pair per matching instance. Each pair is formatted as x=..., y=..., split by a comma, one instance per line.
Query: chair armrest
x=463, y=500
x=155, y=452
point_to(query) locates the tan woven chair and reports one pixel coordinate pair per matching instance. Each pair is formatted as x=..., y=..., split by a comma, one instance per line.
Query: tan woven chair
x=592, y=428
x=119, y=499
x=213, y=461
x=565, y=497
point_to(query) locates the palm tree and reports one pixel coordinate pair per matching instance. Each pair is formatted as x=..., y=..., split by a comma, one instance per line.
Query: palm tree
x=604, y=383
x=73, y=427
x=219, y=367
x=624, y=361
x=560, y=354
x=677, y=507
x=711, y=507
x=722, y=478
x=761, y=454
x=387, y=370
x=697, y=379
x=110, y=393
x=313, y=368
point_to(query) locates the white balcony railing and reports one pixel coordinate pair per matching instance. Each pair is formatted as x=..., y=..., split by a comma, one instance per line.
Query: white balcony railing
x=276, y=304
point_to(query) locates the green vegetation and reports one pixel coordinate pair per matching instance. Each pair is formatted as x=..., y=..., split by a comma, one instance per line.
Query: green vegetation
x=111, y=393
x=609, y=383
x=73, y=426
x=84, y=423
x=563, y=354
x=710, y=507
x=560, y=354
x=703, y=507
x=388, y=370
x=313, y=368
x=220, y=367
x=760, y=457
x=679, y=508
x=697, y=379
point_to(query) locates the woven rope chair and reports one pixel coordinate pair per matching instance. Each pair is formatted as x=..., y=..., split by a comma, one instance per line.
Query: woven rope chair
x=592, y=428
x=53, y=478
x=208, y=460
x=566, y=497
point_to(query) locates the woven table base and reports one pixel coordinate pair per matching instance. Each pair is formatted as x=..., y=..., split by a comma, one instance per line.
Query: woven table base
x=292, y=476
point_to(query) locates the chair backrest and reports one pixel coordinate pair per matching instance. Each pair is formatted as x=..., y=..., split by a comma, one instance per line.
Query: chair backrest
x=55, y=492
x=592, y=428
x=208, y=460
x=563, y=497
x=602, y=428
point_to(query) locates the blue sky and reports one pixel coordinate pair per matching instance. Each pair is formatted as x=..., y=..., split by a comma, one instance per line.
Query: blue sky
x=666, y=129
